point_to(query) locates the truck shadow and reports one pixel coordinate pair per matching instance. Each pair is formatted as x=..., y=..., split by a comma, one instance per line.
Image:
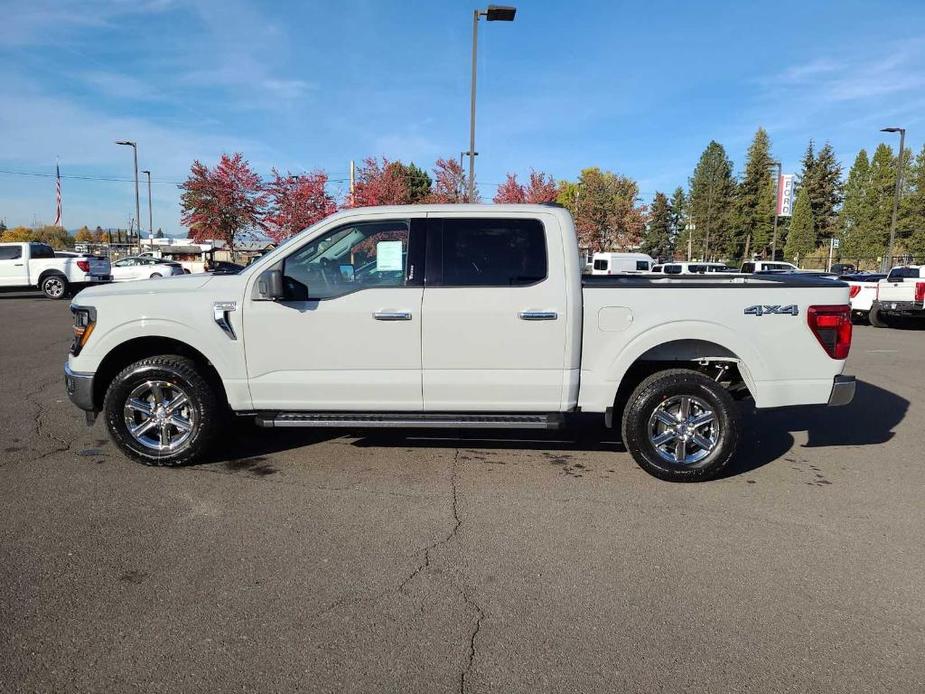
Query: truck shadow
x=767, y=434
x=869, y=420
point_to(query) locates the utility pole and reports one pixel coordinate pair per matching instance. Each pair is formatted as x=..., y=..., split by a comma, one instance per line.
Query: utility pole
x=353, y=181
x=150, y=214
x=134, y=146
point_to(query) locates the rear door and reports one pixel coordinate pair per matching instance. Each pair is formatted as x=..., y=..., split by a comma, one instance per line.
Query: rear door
x=14, y=271
x=494, y=327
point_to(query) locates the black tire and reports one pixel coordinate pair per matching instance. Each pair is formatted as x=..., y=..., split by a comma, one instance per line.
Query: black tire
x=658, y=391
x=54, y=286
x=205, y=413
x=156, y=275
x=877, y=318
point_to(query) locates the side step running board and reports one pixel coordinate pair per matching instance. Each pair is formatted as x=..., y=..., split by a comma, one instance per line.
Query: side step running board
x=409, y=420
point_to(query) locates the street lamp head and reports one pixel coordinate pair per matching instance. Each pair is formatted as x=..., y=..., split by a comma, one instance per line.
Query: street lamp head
x=125, y=142
x=500, y=13
x=145, y=171
x=892, y=130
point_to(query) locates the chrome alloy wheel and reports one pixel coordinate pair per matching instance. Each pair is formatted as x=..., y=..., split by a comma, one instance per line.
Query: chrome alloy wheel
x=683, y=430
x=160, y=416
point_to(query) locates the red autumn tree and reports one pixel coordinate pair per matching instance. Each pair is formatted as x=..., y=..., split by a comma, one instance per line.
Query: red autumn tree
x=542, y=188
x=510, y=191
x=451, y=183
x=378, y=183
x=226, y=203
x=295, y=203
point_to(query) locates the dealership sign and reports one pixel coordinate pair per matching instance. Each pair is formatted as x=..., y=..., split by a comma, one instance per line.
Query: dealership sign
x=785, y=195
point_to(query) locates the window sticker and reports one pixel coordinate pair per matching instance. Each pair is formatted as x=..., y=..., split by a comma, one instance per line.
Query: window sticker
x=388, y=256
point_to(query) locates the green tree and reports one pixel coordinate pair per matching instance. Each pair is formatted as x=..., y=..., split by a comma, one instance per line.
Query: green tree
x=712, y=195
x=801, y=241
x=55, y=236
x=159, y=234
x=2, y=227
x=657, y=239
x=417, y=181
x=911, y=227
x=754, y=202
x=856, y=219
x=826, y=193
x=879, y=198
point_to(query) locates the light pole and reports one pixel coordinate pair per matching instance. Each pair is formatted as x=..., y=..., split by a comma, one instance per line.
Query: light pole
x=134, y=146
x=494, y=13
x=776, y=210
x=150, y=213
x=888, y=261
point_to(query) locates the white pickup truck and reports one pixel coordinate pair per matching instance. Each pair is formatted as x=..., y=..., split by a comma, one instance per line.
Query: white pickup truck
x=900, y=293
x=32, y=264
x=454, y=316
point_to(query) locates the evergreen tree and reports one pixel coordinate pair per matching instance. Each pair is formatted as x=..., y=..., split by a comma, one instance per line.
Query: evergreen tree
x=2, y=226
x=657, y=239
x=159, y=234
x=677, y=226
x=856, y=218
x=880, y=193
x=712, y=191
x=911, y=225
x=418, y=182
x=755, y=197
x=801, y=241
x=827, y=192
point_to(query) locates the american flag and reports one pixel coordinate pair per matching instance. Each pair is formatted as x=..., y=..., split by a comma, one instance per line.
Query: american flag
x=58, y=195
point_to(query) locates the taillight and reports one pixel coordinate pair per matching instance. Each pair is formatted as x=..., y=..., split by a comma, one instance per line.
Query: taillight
x=854, y=290
x=832, y=327
x=920, y=291
x=84, y=265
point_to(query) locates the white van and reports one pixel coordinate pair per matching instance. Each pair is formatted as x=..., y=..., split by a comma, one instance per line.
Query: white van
x=621, y=263
x=686, y=268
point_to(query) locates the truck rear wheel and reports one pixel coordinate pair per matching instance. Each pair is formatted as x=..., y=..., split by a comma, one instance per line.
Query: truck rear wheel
x=681, y=426
x=54, y=286
x=877, y=318
x=161, y=411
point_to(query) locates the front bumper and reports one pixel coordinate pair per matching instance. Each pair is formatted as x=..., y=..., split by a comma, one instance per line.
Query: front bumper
x=79, y=388
x=842, y=391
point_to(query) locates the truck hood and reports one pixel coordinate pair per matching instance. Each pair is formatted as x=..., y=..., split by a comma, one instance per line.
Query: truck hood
x=178, y=284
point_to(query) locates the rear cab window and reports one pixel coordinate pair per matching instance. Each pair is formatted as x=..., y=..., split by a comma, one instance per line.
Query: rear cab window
x=898, y=274
x=490, y=253
x=40, y=250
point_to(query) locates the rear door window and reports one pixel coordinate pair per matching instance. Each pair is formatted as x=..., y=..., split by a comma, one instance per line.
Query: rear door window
x=672, y=269
x=10, y=252
x=493, y=252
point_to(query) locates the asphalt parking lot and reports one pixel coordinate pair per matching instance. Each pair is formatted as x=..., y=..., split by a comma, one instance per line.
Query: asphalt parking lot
x=446, y=562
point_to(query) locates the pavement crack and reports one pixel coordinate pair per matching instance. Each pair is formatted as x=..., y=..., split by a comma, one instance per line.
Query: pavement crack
x=479, y=616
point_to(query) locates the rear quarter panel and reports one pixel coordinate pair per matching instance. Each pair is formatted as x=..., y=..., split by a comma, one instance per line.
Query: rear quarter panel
x=779, y=357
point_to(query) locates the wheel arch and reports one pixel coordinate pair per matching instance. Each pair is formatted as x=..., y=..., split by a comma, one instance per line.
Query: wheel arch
x=148, y=346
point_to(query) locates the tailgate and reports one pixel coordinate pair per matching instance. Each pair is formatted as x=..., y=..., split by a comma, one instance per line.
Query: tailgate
x=100, y=266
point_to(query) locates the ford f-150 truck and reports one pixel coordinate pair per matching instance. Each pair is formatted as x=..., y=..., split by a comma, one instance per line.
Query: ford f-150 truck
x=32, y=264
x=454, y=316
x=900, y=293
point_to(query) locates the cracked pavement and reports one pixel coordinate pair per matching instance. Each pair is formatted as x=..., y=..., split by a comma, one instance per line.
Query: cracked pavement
x=460, y=561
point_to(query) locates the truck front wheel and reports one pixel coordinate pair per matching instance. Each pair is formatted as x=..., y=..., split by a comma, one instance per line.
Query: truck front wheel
x=161, y=411
x=681, y=426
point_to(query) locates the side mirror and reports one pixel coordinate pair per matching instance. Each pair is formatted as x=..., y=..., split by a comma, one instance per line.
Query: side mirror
x=269, y=285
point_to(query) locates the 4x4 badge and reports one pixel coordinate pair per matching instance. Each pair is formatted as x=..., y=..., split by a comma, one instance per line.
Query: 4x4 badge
x=759, y=310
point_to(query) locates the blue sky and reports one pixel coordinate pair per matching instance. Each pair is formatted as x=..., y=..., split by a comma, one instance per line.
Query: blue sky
x=638, y=88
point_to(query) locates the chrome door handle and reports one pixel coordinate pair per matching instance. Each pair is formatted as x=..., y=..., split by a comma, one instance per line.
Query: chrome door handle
x=538, y=315
x=392, y=315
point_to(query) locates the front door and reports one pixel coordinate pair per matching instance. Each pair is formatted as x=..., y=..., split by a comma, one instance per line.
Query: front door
x=347, y=336
x=495, y=316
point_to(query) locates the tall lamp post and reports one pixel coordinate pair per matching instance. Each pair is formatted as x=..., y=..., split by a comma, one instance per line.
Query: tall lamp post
x=494, y=13
x=888, y=260
x=150, y=213
x=134, y=146
x=776, y=209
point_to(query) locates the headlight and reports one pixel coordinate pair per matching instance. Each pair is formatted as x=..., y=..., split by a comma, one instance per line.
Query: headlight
x=84, y=320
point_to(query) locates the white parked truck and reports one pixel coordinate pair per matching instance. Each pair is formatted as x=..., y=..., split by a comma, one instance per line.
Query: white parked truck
x=34, y=265
x=900, y=293
x=620, y=263
x=454, y=316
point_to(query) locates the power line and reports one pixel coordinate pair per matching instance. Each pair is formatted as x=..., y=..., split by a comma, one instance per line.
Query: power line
x=113, y=179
